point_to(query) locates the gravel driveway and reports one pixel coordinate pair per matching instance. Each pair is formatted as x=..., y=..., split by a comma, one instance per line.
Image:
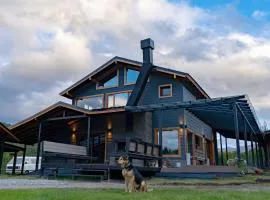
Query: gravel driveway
x=44, y=183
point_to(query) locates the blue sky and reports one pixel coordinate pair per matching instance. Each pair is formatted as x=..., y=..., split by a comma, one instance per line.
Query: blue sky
x=47, y=46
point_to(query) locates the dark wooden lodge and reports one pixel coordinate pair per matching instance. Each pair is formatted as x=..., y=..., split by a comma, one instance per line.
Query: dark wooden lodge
x=160, y=117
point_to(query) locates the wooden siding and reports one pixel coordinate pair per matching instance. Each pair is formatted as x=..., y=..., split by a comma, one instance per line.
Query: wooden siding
x=187, y=95
x=171, y=118
x=55, y=147
x=150, y=94
x=198, y=126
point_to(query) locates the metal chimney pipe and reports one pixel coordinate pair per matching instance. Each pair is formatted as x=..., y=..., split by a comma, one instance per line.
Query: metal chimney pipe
x=147, y=46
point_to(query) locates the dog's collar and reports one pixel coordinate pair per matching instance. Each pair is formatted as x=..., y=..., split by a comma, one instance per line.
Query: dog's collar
x=128, y=166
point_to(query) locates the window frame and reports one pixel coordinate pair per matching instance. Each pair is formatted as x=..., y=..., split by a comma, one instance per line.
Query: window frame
x=179, y=155
x=91, y=96
x=114, y=93
x=125, y=75
x=112, y=86
x=159, y=91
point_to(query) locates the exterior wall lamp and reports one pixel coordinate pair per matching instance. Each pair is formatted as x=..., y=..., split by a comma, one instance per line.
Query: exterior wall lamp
x=109, y=135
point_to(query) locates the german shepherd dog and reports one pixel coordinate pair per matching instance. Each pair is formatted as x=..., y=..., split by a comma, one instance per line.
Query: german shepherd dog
x=134, y=181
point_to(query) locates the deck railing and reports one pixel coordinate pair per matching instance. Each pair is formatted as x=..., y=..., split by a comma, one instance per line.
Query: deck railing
x=141, y=154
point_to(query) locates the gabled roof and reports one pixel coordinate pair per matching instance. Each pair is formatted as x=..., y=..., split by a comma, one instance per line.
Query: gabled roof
x=189, y=78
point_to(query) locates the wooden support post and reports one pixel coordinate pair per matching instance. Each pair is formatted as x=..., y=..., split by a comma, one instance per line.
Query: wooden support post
x=260, y=155
x=216, y=147
x=14, y=163
x=160, y=124
x=236, y=132
x=246, y=145
x=257, y=154
x=23, y=160
x=1, y=155
x=193, y=149
x=89, y=146
x=226, y=143
x=265, y=154
x=221, y=150
x=252, y=151
x=38, y=146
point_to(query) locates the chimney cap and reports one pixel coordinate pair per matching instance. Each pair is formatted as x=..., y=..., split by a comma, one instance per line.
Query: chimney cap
x=147, y=43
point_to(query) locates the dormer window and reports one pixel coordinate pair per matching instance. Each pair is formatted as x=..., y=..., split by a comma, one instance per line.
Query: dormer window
x=131, y=76
x=109, y=82
x=165, y=91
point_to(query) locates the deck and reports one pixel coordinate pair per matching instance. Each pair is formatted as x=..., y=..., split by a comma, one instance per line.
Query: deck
x=199, y=172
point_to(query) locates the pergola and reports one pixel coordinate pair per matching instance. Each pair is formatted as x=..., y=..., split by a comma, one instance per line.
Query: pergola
x=233, y=117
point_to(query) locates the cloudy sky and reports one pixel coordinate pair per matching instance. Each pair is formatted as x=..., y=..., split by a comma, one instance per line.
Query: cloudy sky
x=46, y=45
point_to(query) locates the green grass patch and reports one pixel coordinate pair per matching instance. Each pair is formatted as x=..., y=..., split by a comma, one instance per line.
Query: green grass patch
x=114, y=194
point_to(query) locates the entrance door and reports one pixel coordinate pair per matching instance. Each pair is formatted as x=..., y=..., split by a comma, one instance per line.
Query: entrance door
x=99, y=147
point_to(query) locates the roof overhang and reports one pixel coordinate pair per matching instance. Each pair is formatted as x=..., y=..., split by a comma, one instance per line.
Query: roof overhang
x=67, y=92
x=218, y=113
x=58, y=114
x=6, y=135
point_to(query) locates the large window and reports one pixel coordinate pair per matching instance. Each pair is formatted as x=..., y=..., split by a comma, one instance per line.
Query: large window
x=170, y=142
x=118, y=99
x=109, y=81
x=165, y=91
x=131, y=76
x=90, y=103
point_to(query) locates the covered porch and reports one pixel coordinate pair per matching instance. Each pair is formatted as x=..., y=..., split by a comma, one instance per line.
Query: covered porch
x=77, y=141
x=232, y=117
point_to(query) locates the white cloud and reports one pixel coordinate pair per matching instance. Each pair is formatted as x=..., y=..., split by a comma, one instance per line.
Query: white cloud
x=258, y=14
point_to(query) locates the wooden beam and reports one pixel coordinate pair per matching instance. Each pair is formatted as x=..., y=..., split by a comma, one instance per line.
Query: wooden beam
x=23, y=160
x=226, y=145
x=246, y=145
x=236, y=132
x=88, y=137
x=14, y=163
x=221, y=150
x=252, y=152
x=1, y=155
x=38, y=147
x=65, y=118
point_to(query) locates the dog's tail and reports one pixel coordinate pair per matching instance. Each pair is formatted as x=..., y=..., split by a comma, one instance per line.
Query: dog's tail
x=146, y=187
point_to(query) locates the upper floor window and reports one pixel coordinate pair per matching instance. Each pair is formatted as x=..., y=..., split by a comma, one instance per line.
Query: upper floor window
x=92, y=102
x=165, y=91
x=109, y=81
x=118, y=99
x=131, y=76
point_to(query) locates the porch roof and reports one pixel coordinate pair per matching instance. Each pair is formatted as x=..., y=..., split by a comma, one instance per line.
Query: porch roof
x=5, y=134
x=58, y=114
x=8, y=147
x=216, y=112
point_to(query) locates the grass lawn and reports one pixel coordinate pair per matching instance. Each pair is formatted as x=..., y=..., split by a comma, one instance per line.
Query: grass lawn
x=116, y=194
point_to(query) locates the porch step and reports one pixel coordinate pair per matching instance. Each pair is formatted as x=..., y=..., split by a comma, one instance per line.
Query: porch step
x=199, y=172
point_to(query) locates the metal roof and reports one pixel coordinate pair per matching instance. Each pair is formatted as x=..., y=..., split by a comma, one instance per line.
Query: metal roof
x=136, y=63
x=216, y=112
